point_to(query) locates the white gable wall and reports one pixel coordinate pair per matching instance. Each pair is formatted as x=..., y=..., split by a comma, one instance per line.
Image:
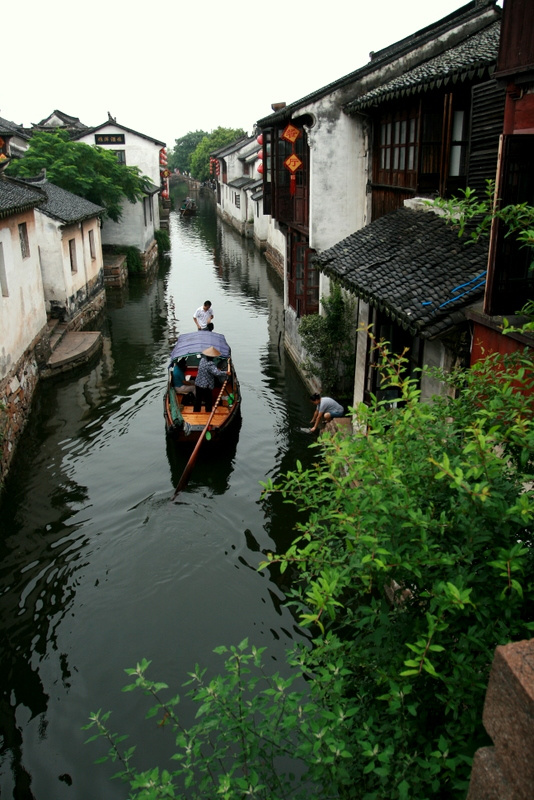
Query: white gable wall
x=132, y=230
x=236, y=206
x=65, y=290
x=140, y=152
x=22, y=307
x=144, y=154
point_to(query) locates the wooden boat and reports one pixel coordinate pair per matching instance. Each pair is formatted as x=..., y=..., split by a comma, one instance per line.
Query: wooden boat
x=188, y=208
x=181, y=422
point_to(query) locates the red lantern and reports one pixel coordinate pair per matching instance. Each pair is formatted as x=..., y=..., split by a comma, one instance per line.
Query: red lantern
x=260, y=167
x=259, y=138
x=260, y=155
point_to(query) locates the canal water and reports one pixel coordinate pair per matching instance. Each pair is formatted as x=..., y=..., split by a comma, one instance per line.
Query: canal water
x=98, y=569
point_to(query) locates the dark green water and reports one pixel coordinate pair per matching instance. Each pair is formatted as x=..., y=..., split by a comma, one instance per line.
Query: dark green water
x=97, y=568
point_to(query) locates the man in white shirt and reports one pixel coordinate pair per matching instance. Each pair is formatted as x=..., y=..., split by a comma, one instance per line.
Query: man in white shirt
x=203, y=317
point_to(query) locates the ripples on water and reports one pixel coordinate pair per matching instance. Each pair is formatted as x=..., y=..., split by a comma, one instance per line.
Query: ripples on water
x=97, y=568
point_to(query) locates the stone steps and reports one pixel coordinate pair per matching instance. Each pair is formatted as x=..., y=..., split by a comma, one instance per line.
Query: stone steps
x=70, y=349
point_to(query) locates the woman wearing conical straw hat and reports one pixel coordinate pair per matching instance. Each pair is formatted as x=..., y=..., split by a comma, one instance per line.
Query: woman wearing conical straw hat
x=205, y=380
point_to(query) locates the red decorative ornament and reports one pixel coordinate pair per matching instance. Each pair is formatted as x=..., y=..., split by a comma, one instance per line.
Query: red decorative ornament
x=292, y=162
x=259, y=138
x=260, y=155
x=260, y=167
x=291, y=134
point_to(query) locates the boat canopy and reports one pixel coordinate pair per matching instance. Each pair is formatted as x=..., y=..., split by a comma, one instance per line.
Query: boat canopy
x=191, y=343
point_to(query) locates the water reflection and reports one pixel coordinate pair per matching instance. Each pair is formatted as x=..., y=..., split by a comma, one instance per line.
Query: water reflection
x=97, y=567
x=222, y=456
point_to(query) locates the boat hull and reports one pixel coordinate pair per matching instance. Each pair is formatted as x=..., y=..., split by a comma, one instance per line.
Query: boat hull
x=182, y=423
x=190, y=429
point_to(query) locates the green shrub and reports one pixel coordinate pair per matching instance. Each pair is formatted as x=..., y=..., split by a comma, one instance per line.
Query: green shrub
x=413, y=561
x=134, y=260
x=163, y=241
x=329, y=340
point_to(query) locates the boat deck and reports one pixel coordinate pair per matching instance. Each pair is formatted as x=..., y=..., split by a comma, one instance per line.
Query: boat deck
x=201, y=417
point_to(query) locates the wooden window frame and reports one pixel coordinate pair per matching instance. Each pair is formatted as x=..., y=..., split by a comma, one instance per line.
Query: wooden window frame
x=24, y=241
x=73, y=256
x=3, y=273
x=92, y=248
x=302, y=276
x=291, y=209
x=398, y=147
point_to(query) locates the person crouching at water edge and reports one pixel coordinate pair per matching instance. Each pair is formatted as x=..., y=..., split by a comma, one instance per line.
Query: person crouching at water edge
x=325, y=409
x=205, y=380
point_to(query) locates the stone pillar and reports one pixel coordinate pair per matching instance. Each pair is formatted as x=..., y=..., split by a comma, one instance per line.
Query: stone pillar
x=506, y=770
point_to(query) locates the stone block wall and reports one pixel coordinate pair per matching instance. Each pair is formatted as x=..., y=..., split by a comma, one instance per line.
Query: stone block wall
x=150, y=256
x=115, y=270
x=17, y=390
x=275, y=259
x=506, y=770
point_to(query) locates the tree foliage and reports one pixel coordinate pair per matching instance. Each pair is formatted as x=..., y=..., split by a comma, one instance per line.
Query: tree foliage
x=474, y=215
x=180, y=155
x=413, y=560
x=200, y=159
x=329, y=340
x=469, y=213
x=86, y=170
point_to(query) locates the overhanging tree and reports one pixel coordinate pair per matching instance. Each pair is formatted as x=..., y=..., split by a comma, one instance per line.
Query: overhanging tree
x=85, y=170
x=200, y=159
x=180, y=155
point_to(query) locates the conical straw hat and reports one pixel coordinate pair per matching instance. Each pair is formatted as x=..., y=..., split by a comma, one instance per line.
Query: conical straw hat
x=211, y=351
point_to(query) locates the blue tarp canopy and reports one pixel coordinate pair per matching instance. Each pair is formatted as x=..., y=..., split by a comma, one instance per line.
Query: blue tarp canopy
x=194, y=343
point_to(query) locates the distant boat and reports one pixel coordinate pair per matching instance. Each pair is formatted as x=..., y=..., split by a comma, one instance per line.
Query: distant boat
x=181, y=422
x=188, y=208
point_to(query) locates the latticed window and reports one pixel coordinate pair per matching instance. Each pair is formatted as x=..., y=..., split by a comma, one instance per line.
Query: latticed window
x=397, y=160
x=420, y=147
x=285, y=199
x=303, y=276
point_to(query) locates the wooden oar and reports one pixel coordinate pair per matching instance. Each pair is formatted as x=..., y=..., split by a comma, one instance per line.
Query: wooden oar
x=189, y=466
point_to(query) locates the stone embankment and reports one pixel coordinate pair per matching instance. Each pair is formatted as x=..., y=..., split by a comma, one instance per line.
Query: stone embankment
x=506, y=770
x=59, y=347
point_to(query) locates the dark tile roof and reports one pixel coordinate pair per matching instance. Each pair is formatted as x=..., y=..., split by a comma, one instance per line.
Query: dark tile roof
x=256, y=189
x=87, y=131
x=62, y=205
x=16, y=197
x=252, y=154
x=228, y=149
x=240, y=183
x=476, y=54
x=411, y=265
x=12, y=129
x=66, y=119
x=477, y=9
x=151, y=188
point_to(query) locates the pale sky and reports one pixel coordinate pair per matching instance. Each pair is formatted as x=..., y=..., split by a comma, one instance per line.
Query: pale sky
x=175, y=66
